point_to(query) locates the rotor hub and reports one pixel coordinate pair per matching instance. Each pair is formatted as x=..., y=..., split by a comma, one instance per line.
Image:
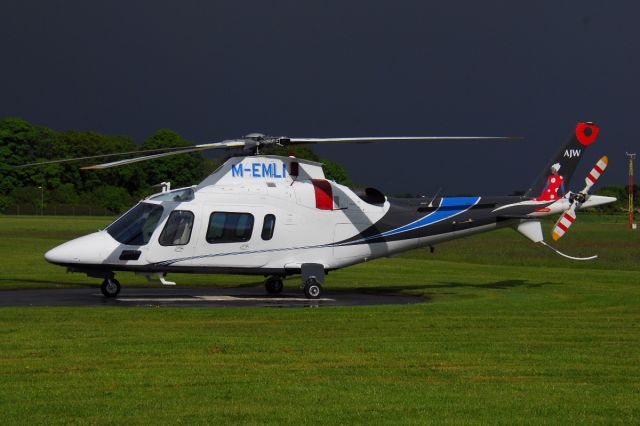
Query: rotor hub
x=579, y=197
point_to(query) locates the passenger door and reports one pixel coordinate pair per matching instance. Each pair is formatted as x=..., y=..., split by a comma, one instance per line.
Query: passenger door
x=230, y=238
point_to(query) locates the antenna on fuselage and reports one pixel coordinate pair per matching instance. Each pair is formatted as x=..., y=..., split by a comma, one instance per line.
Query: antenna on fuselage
x=166, y=186
x=434, y=197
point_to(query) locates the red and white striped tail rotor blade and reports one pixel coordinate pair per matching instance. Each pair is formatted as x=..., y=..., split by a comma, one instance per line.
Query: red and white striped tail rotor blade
x=569, y=216
x=564, y=223
x=595, y=173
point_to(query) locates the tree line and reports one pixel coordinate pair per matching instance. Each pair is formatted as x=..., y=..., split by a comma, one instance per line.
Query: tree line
x=118, y=188
x=115, y=189
x=621, y=192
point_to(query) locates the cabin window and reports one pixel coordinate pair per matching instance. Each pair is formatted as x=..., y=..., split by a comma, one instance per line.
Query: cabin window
x=268, y=226
x=177, y=231
x=227, y=227
x=136, y=226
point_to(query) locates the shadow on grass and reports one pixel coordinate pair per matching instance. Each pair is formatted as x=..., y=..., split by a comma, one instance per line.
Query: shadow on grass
x=18, y=283
x=423, y=291
x=499, y=285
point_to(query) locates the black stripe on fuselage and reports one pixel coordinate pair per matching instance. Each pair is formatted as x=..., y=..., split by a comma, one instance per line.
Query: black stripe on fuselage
x=403, y=211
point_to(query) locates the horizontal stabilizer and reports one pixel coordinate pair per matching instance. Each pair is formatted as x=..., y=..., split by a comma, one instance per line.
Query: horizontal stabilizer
x=597, y=200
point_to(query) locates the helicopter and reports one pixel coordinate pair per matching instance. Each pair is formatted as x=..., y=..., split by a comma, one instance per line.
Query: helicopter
x=278, y=216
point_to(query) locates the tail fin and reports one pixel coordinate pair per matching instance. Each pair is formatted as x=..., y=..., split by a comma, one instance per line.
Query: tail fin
x=557, y=175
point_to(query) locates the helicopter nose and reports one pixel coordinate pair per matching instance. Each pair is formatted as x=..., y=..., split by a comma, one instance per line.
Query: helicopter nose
x=87, y=249
x=62, y=254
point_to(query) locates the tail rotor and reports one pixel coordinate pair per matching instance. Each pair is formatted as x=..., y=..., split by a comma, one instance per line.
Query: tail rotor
x=569, y=216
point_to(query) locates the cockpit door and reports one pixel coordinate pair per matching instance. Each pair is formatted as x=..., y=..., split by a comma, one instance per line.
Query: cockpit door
x=176, y=237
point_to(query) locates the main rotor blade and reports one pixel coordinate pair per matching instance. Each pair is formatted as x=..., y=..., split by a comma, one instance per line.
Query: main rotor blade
x=255, y=142
x=183, y=150
x=89, y=157
x=397, y=138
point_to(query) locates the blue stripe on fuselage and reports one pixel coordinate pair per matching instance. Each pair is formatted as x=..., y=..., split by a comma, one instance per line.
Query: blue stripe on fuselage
x=448, y=208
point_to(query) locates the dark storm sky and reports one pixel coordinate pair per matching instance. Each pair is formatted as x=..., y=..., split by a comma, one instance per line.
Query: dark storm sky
x=218, y=69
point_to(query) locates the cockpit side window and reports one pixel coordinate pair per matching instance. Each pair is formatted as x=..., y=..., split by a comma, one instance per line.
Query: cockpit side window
x=177, y=231
x=136, y=226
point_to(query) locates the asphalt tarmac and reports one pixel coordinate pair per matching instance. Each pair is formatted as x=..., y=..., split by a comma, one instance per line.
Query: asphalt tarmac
x=209, y=297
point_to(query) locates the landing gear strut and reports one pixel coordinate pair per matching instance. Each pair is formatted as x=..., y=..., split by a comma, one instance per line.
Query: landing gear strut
x=110, y=287
x=312, y=277
x=274, y=285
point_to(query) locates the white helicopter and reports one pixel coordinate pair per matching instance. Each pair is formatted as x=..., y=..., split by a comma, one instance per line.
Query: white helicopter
x=276, y=216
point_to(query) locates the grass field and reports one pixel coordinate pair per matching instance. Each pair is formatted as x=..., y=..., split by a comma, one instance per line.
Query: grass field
x=511, y=333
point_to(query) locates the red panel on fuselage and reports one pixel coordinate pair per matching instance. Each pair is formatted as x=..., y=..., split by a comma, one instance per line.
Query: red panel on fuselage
x=324, y=194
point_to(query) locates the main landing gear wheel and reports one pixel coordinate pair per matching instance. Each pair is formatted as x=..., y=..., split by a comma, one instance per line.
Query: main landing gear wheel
x=274, y=285
x=312, y=289
x=110, y=287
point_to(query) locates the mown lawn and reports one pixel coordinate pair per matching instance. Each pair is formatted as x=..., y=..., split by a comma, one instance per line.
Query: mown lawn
x=510, y=333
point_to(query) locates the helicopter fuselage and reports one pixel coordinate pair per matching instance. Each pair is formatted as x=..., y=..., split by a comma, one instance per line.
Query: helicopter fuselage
x=272, y=215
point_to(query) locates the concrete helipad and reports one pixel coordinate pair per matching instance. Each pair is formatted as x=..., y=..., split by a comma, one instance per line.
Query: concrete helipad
x=198, y=297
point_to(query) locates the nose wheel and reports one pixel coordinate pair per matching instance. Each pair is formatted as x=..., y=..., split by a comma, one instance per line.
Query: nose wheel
x=110, y=287
x=274, y=285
